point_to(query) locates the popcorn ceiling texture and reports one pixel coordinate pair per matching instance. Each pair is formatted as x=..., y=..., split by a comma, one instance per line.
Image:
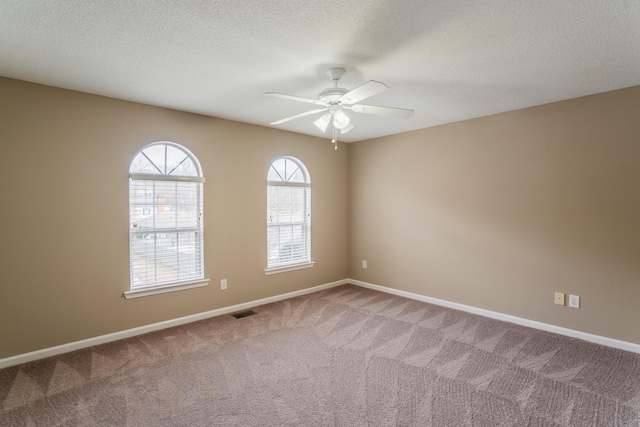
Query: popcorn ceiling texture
x=447, y=60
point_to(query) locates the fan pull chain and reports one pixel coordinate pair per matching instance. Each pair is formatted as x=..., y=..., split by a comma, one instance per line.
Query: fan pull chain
x=334, y=141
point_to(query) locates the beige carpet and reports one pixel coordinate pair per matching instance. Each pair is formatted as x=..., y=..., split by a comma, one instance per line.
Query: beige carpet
x=347, y=356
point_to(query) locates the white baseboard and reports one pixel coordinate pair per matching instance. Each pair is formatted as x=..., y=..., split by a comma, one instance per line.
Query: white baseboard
x=102, y=339
x=610, y=342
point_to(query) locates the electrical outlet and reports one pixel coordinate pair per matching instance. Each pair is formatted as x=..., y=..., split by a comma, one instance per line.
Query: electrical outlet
x=223, y=284
x=574, y=301
x=559, y=298
x=364, y=263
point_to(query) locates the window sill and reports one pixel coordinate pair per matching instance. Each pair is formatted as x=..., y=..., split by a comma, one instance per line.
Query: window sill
x=165, y=288
x=285, y=268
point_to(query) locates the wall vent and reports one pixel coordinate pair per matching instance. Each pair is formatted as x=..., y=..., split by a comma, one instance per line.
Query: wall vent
x=244, y=314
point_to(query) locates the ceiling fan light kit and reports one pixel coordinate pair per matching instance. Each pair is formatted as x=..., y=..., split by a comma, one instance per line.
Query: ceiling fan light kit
x=323, y=122
x=336, y=100
x=340, y=119
x=346, y=129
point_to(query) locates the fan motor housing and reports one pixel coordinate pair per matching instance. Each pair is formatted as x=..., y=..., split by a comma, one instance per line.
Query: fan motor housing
x=332, y=94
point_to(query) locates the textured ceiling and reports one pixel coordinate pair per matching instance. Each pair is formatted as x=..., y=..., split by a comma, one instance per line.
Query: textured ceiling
x=448, y=60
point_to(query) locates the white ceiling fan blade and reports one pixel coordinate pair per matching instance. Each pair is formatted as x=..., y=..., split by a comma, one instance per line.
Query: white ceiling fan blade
x=295, y=98
x=363, y=91
x=381, y=111
x=297, y=116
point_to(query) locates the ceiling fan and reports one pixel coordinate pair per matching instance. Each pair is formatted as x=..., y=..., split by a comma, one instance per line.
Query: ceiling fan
x=335, y=100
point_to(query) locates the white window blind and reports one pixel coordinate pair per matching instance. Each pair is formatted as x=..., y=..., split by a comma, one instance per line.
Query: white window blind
x=288, y=213
x=165, y=217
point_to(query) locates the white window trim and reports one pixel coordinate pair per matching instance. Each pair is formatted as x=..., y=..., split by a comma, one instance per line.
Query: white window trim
x=161, y=289
x=194, y=282
x=290, y=267
x=307, y=184
x=289, y=184
x=172, y=178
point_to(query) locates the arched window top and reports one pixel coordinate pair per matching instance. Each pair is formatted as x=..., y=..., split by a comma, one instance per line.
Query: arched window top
x=165, y=158
x=166, y=245
x=288, y=170
x=288, y=216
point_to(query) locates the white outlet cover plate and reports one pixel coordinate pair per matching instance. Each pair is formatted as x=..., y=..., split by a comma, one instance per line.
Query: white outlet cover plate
x=574, y=301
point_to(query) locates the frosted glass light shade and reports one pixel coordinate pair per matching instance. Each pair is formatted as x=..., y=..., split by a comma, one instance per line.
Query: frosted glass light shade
x=346, y=129
x=323, y=122
x=340, y=120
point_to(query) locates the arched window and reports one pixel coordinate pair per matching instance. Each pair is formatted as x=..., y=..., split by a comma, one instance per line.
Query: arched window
x=165, y=219
x=288, y=215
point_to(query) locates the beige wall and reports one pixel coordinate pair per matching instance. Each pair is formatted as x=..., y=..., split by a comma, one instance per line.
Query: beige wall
x=500, y=212
x=64, y=216
x=496, y=213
